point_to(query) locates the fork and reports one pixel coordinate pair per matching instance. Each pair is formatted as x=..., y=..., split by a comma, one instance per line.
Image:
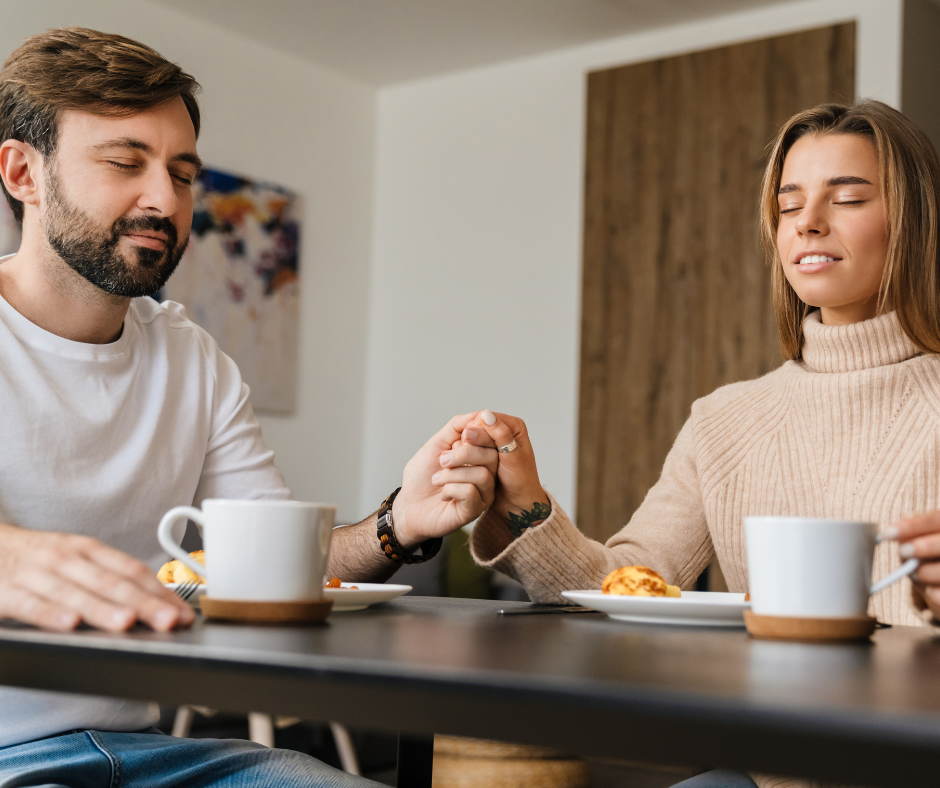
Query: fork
x=186, y=590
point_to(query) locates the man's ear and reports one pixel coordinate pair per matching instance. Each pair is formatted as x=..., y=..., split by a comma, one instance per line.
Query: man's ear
x=21, y=170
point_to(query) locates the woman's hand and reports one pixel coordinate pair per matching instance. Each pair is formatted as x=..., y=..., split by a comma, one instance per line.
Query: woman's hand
x=520, y=500
x=919, y=537
x=439, y=496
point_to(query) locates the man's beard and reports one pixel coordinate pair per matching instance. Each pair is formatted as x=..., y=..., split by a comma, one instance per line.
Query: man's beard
x=93, y=251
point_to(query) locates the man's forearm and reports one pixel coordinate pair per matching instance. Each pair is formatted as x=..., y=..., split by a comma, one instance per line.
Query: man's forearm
x=356, y=555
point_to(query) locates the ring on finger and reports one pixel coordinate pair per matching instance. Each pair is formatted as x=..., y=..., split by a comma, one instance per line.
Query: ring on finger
x=512, y=446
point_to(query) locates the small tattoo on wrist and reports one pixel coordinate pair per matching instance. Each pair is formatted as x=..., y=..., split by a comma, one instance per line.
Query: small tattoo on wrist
x=519, y=523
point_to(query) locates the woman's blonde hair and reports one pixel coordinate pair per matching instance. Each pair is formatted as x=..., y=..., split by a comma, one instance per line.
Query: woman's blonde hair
x=909, y=172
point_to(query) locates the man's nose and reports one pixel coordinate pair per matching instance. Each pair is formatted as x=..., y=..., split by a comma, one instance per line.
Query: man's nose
x=159, y=194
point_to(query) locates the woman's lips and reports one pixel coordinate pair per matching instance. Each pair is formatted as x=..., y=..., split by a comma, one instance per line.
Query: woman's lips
x=147, y=240
x=820, y=262
x=813, y=268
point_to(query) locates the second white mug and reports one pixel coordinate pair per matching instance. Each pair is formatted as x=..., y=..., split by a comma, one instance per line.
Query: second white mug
x=805, y=567
x=259, y=551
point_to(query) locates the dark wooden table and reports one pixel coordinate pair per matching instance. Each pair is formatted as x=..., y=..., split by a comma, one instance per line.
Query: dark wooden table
x=863, y=714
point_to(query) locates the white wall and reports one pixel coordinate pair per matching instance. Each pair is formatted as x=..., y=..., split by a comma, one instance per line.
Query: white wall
x=268, y=115
x=476, y=269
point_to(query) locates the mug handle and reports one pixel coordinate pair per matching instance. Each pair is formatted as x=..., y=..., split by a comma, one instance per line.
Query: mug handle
x=166, y=538
x=907, y=568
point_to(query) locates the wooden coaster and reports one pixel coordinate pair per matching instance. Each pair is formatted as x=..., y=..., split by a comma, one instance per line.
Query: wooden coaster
x=311, y=612
x=816, y=629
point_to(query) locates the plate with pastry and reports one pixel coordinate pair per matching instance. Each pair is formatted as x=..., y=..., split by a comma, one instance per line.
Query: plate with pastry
x=640, y=595
x=348, y=597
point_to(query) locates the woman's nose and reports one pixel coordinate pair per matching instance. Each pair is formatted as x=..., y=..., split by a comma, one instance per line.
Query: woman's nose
x=812, y=220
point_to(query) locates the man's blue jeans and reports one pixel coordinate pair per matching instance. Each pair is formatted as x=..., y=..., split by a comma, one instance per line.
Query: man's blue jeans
x=98, y=759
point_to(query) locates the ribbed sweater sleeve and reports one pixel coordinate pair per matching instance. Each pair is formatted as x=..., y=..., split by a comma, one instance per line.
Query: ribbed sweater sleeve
x=668, y=533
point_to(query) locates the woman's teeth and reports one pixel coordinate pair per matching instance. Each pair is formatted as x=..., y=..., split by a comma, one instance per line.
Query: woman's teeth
x=817, y=258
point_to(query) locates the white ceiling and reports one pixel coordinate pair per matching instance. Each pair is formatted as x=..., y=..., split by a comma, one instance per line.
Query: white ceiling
x=381, y=42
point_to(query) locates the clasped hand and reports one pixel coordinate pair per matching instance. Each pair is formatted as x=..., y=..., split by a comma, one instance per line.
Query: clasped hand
x=446, y=485
x=459, y=473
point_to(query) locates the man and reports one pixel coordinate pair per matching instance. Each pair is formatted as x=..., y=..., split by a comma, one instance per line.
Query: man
x=116, y=408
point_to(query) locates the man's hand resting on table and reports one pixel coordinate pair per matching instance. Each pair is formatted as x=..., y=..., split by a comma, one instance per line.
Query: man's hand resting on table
x=56, y=581
x=444, y=486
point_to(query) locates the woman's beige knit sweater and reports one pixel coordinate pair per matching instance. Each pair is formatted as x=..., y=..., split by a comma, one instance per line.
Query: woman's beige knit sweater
x=852, y=431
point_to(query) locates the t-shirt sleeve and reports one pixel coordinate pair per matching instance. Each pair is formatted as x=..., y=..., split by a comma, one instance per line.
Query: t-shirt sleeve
x=237, y=463
x=668, y=533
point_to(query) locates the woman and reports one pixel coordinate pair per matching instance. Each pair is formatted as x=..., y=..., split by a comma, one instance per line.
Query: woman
x=848, y=427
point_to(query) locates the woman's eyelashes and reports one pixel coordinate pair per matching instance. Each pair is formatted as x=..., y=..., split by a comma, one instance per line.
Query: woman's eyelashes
x=791, y=208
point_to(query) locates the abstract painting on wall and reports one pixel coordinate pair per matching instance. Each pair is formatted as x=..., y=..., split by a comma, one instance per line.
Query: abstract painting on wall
x=239, y=280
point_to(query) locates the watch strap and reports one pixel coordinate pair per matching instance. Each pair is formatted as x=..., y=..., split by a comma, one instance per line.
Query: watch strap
x=385, y=530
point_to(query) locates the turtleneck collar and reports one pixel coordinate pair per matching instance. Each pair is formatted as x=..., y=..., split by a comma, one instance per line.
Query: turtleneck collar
x=871, y=343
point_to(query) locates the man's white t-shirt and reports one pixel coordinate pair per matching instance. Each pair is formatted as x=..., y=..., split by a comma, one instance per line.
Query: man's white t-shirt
x=102, y=440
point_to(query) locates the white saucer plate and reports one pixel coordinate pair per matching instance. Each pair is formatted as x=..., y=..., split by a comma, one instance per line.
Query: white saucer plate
x=692, y=609
x=347, y=598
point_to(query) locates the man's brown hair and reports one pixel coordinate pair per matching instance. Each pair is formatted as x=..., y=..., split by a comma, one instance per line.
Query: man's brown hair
x=909, y=171
x=74, y=68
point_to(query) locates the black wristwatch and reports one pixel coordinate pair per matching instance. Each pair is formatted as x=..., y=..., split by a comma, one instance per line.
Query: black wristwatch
x=385, y=529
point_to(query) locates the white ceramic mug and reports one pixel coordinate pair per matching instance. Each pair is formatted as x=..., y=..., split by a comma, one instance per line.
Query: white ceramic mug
x=805, y=567
x=260, y=551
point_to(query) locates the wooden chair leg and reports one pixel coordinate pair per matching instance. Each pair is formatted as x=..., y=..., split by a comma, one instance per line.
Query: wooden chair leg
x=183, y=721
x=261, y=728
x=345, y=748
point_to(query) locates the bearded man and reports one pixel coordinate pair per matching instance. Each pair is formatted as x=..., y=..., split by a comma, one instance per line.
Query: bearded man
x=117, y=408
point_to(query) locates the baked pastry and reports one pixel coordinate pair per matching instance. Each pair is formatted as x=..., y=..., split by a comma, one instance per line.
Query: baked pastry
x=335, y=582
x=176, y=571
x=638, y=581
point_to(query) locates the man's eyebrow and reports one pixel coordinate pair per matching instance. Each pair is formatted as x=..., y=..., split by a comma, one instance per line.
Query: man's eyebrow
x=124, y=142
x=190, y=158
x=135, y=144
